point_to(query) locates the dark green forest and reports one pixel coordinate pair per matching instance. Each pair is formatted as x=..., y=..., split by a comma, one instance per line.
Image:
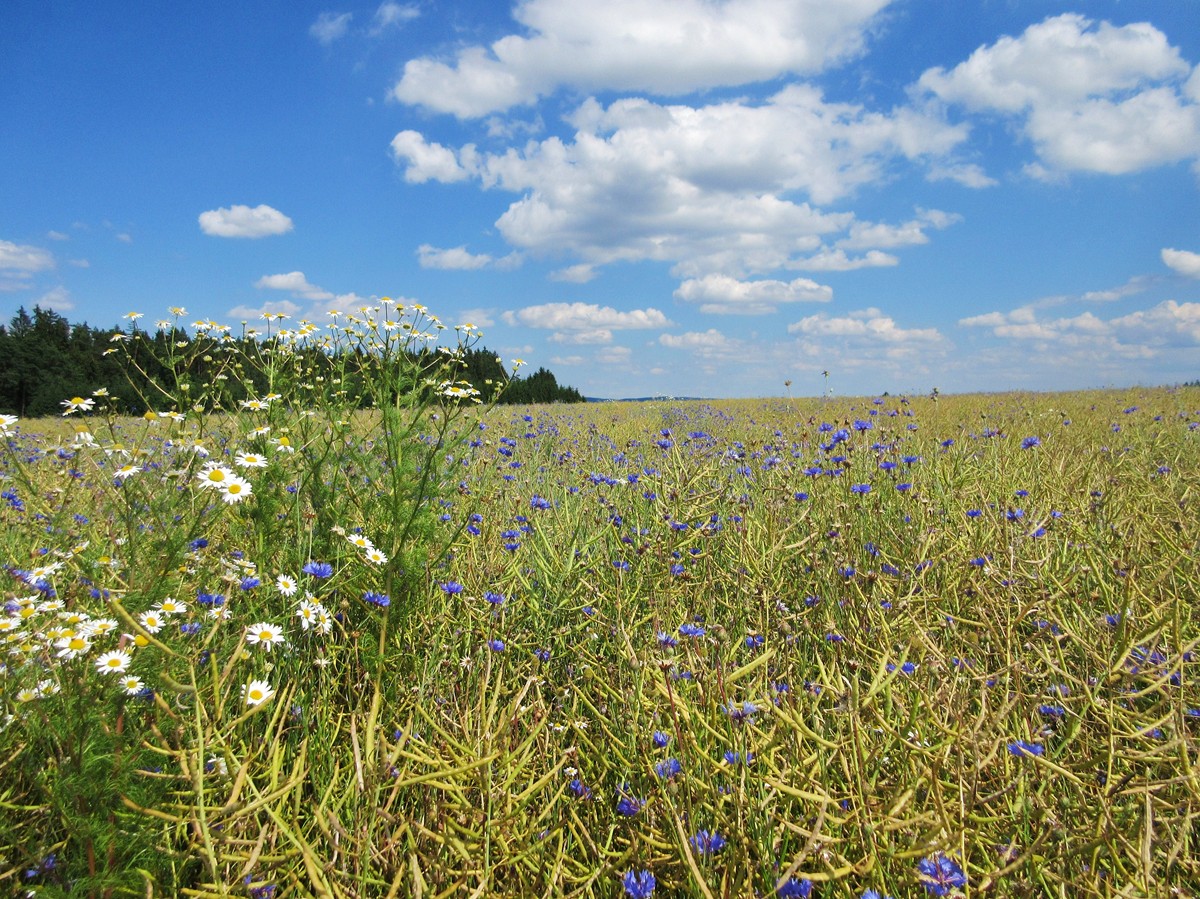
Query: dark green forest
x=45, y=359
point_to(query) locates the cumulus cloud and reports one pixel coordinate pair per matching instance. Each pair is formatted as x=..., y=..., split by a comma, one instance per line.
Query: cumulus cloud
x=837, y=261
x=295, y=283
x=330, y=26
x=865, y=326
x=722, y=294
x=22, y=260
x=1184, y=262
x=390, y=15
x=709, y=346
x=1090, y=97
x=460, y=259
x=244, y=221
x=584, y=318
x=424, y=161
x=707, y=189
x=1140, y=334
x=253, y=313
x=57, y=298
x=664, y=47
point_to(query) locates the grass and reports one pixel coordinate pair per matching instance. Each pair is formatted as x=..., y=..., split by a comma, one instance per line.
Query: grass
x=676, y=638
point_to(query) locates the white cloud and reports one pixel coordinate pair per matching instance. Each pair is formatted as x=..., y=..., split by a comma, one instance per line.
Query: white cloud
x=479, y=317
x=460, y=259
x=585, y=318
x=1185, y=262
x=711, y=345
x=295, y=283
x=707, y=189
x=255, y=313
x=244, y=221
x=330, y=26
x=391, y=14
x=575, y=274
x=57, y=298
x=21, y=260
x=1093, y=98
x=57, y=235
x=866, y=326
x=614, y=355
x=722, y=294
x=907, y=234
x=664, y=47
x=454, y=258
x=425, y=161
x=1139, y=334
x=124, y=237
x=79, y=263
x=837, y=261
x=967, y=174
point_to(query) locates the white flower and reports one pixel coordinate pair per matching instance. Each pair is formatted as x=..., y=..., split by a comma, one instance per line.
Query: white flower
x=214, y=475
x=131, y=684
x=235, y=490
x=257, y=692
x=114, y=662
x=375, y=556
x=250, y=460
x=286, y=584
x=265, y=634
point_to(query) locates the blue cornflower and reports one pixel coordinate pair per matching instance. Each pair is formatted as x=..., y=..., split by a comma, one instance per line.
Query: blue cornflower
x=707, y=843
x=539, y=502
x=198, y=544
x=668, y=769
x=628, y=805
x=665, y=640
x=451, y=588
x=940, y=874
x=542, y=655
x=1021, y=748
x=249, y=583
x=638, y=885
x=496, y=645
x=739, y=713
x=318, y=569
x=795, y=888
x=377, y=599
x=860, y=488
x=691, y=630
x=873, y=894
x=495, y=599
x=1031, y=442
x=214, y=600
x=580, y=789
x=660, y=739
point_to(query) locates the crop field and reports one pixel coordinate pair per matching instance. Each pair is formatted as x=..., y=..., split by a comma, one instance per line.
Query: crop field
x=881, y=646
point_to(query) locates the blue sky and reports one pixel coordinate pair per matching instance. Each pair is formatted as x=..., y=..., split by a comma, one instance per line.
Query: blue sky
x=682, y=197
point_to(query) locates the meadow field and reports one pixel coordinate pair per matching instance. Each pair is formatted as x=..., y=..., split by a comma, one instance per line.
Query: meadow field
x=884, y=646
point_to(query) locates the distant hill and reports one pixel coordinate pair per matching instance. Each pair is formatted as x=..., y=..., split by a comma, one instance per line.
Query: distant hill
x=644, y=399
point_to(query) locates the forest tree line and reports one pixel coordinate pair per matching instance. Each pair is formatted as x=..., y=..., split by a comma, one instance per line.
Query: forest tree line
x=45, y=359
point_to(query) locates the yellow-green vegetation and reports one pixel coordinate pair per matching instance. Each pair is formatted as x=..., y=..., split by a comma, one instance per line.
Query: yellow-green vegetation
x=901, y=645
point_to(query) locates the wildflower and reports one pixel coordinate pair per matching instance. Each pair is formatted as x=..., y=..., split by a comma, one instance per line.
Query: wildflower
x=1020, y=749
x=667, y=769
x=1031, y=442
x=665, y=640
x=78, y=404
x=940, y=874
x=375, y=556
x=691, y=630
x=707, y=843
x=126, y=471
x=795, y=888
x=451, y=588
x=286, y=584
x=580, y=789
x=360, y=540
x=114, y=662
x=638, y=885
x=250, y=460
x=627, y=805
x=235, y=490
x=496, y=645
x=860, y=488
x=265, y=634
x=214, y=475
x=660, y=739
x=377, y=599
x=132, y=685
x=495, y=599
x=257, y=692
x=6, y=422
x=318, y=569
x=72, y=647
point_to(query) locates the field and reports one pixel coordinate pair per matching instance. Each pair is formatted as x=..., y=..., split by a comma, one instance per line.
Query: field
x=893, y=646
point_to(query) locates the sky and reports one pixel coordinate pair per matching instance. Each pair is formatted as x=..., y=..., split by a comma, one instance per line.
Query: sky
x=711, y=198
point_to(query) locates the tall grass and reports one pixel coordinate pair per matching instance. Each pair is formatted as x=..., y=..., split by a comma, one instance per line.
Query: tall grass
x=828, y=647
